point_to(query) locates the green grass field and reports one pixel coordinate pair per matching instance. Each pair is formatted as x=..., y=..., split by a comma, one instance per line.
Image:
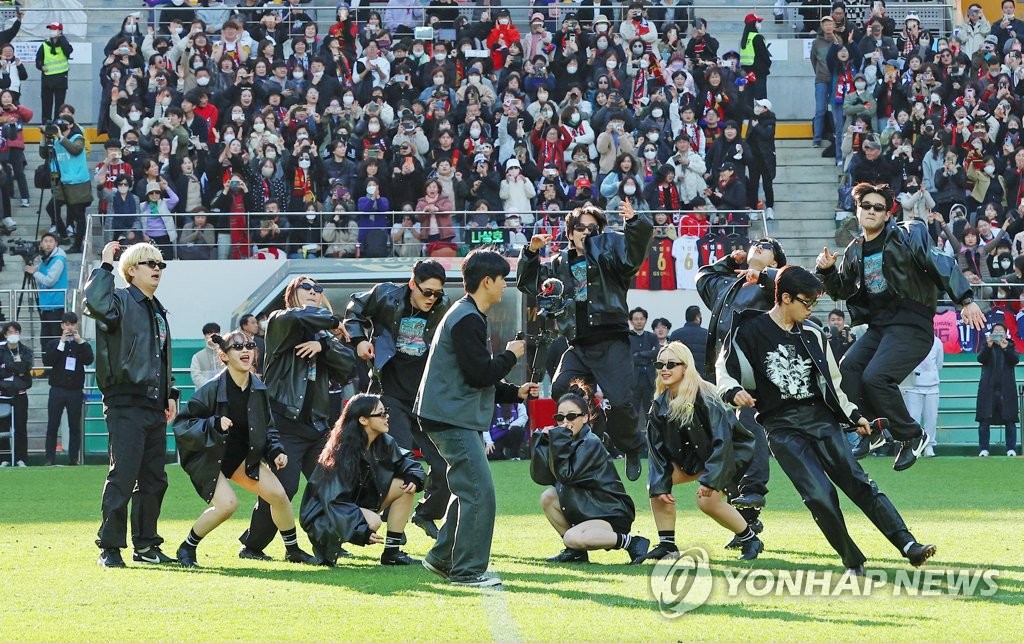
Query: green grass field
x=970, y=508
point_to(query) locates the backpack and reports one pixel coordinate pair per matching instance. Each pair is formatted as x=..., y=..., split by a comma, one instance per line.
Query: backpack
x=376, y=244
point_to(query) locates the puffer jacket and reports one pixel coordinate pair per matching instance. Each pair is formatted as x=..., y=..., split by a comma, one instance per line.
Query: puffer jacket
x=201, y=442
x=127, y=347
x=913, y=267
x=725, y=294
x=613, y=258
x=714, y=442
x=286, y=374
x=584, y=476
x=375, y=315
x=330, y=510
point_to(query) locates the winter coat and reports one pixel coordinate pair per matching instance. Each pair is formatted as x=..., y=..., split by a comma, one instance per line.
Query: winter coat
x=998, y=381
x=516, y=198
x=761, y=139
x=689, y=178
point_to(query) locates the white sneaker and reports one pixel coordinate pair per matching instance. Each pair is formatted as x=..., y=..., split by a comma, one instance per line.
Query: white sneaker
x=21, y=463
x=983, y=453
x=71, y=231
x=1011, y=453
x=5, y=463
x=929, y=452
x=25, y=203
x=53, y=229
x=769, y=213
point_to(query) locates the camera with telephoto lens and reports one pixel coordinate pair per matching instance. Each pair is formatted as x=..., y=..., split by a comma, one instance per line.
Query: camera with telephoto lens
x=52, y=129
x=27, y=250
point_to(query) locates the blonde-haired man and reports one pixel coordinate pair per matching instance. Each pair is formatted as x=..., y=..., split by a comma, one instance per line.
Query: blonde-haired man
x=133, y=369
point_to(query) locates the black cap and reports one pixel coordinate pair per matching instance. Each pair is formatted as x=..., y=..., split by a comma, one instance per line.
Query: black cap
x=780, y=254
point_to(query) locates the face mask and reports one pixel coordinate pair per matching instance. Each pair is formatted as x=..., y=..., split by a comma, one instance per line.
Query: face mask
x=311, y=216
x=229, y=137
x=371, y=190
x=134, y=116
x=602, y=45
x=271, y=154
x=52, y=33
x=474, y=132
x=203, y=81
x=298, y=74
x=304, y=164
x=572, y=69
x=130, y=28
x=347, y=100
x=268, y=172
x=238, y=117
x=474, y=80
x=115, y=76
x=650, y=155
x=611, y=64
x=653, y=137
x=859, y=85
x=629, y=189
x=317, y=75
x=373, y=128
x=440, y=56
x=302, y=136
x=574, y=119
x=166, y=102
x=602, y=27
x=502, y=21
x=259, y=127
x=542, y=96
x=438, y=81
x=638, y=50
x=657, y=113
x=13, y=339
x=196, y=65
x=417, y=52
x=122, y=189
x=990, y=169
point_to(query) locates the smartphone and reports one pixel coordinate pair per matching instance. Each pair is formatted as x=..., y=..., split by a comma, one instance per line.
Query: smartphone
x=858, y=128
x=399, y=78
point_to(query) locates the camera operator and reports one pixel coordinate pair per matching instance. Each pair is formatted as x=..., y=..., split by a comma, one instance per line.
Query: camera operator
x=53, y=59
x=839, y=335
x=596, y=270
x=74, y=188
x=51, y=275
x=67, y=356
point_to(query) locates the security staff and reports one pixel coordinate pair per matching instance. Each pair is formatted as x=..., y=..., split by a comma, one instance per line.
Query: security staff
x=53, y=59
x=67, y=356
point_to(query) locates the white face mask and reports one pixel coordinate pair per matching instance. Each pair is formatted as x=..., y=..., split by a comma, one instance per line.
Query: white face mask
x=373, y=128
x=115, y=76
x=166, y=102
x=546, y=114
x=238, y=117
x=438, y=81
x=657, y=113
x=263, y=324
x=134, y=116
x=130, y=27
x=304, y=164
x=502, y=21
x=653, y=137
x=13, y=339
x=298, y=74
x=629, y=189
x=440, y=56
x=650, y=155
x=474, y=132
x=122, y=189
x=860, y=85
x=268, y=172
x=203, y=81
x=611, y=64
x=347, y=100
x=371, y=190
x=638, y=50
x=474, y=80
x=572, y=69
x=52, y=33
x=229, y=137
x=417, y=52
x=259, y=127
x=311, y=216
x=271, y=154
x=601, y=27
x=302, y=136
x=990, y=169
x=317, y=75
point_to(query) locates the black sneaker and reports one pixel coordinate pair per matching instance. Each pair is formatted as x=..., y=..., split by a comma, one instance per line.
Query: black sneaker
x=748, y=501
x=298, y=556
x=633, y=467
x=187, y=557
x=152, y=556
x=755, y=525
x=637, y=550
x=428, y=526
x=854, y=571
x=397, y=557
x=344, y=553
x=252, y=554
x=867, y=444
x=570, y=556
x=918, y=554
x=910, y=451
x=664, y=551
x=435, y=569
x=751, y=548
x=110, y=558
x=479, y=581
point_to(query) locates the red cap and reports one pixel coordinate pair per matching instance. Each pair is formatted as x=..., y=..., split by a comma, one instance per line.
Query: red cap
x=583, y=182
x=55, y=25
x=752, y=18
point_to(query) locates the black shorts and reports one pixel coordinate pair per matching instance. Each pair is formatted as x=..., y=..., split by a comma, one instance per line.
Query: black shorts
x=234, y=455
x=620, y=524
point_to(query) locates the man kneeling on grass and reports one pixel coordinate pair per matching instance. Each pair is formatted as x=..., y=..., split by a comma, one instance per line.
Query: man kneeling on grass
x=785, y=366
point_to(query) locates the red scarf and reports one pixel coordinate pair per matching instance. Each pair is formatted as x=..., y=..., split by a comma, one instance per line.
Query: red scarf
x=668, y=197
x=844, y=85
x=717, y=102
x=300, y=185
x=639, y=87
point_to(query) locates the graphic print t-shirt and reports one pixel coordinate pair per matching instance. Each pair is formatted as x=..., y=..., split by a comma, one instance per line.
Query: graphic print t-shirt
x=402, y=374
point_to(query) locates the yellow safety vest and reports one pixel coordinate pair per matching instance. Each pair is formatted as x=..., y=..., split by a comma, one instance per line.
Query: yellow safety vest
x=747, y=52
x=55, y=63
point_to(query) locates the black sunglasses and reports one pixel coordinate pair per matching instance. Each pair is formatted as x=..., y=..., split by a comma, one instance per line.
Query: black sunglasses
x=765, y=245
x=154, y=264
x=592, y=228
x=430, y=294
x=317, y=288
x=807, y=304
x=877, y=207
x=383, y=414
x=572, y=417
x=659, y=365
x=237, y=346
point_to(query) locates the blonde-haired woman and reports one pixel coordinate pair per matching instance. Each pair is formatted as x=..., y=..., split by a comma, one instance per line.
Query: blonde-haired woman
x=691, y=436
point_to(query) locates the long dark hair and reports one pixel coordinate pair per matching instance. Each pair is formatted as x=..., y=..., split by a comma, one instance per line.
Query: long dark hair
x=581, y=395
x=348, y=440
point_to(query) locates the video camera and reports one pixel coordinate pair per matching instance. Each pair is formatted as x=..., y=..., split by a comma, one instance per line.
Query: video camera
x=52, y=129
x=550, y=302
x=27, y=250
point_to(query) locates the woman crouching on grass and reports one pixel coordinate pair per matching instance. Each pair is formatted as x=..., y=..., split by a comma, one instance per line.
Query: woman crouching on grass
x=587, y=504
x=225, y=433
x=361, y=472
x=691, y=436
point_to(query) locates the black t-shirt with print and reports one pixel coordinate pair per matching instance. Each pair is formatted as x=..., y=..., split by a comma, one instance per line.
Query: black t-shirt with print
x=401, y=376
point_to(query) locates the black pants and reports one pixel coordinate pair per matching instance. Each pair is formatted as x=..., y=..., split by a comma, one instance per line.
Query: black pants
x=609, y=365
x=52, y=97
x=17, y=159
x=405, y=428
x=757, y=175
x=49, y=325
x=303, y=447
x=814, y=465
x=873, y=368
x=755, y=478
x=19, y=407
x=509, y=445
x=138, y=448
x=61, y=399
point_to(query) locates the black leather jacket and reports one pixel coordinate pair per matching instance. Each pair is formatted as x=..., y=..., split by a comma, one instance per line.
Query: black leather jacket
x=376, y=314
x=914, y=268
x=19, y=372
x=588, y=485
x=127, y=347
x=330, y=511
x=286, y=374
x=725, y=295
x=201, y=442
x=714, y=442
x=613, y=258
